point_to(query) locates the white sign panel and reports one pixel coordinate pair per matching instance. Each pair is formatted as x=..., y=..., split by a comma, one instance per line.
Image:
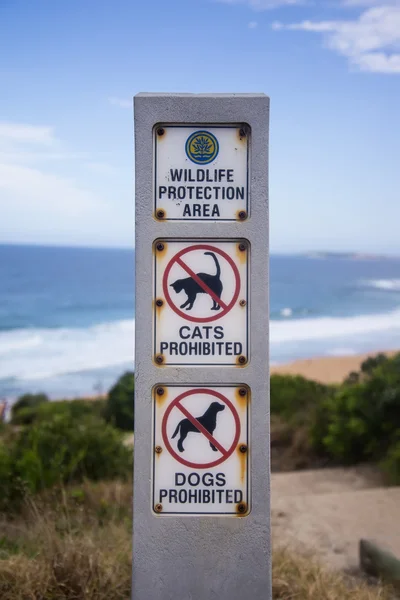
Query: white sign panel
x=201, y=173
x=201, y=450
x=201, y=302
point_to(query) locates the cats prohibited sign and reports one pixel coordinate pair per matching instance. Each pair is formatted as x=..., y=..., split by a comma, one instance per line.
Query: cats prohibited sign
x=201, y=450
x=201, y=303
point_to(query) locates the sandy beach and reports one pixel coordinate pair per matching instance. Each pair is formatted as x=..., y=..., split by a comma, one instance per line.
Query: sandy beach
x=327, y=369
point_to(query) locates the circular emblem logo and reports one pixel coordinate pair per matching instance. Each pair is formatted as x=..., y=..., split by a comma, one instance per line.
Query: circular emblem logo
x=202, y=147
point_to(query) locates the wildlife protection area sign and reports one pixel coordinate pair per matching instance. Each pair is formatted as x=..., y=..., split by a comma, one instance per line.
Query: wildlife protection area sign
x=201, y=302
x=201, y=173
x=201, y=450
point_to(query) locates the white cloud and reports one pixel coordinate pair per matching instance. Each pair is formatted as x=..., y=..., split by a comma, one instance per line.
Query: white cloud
x=37, y=199
x=51, y=194
x=121, y=102
x=252, y=25
x=260, y=5
x=37, y=191
x=15, y=132
x=371, y=42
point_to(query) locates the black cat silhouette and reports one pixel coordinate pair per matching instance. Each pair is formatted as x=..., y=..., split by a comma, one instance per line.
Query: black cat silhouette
x=208, y=420
x=192, y=288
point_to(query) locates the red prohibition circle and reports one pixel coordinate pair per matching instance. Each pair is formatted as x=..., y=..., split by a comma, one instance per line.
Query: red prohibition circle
x=178, y=457
x=180, y=312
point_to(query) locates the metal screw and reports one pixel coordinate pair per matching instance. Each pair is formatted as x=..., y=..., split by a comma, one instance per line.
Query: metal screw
x=241, y=507
x=160, y=247
x=160, y=214
x=243, y=448
x=159, y=359
x=242, y=360
x=160, y=391
x=158, y=449
x=242, y=302
x=242, y=392
x=158, y=508
x=242, y=132
x=242, y=247
x=160, y=131
x=159, y=302
x=242, y=215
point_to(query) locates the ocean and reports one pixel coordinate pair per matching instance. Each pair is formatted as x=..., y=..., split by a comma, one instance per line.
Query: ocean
x=67, y=315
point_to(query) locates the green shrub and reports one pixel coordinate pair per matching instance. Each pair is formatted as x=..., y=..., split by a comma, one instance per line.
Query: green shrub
x=361, y=420
x=11, y=487
x=294, y=398
x=391, y=463
x=353, y=377
x=369, y=365
x=63, y=449
x=119, y=408
x=76, y=409
x=27, y=402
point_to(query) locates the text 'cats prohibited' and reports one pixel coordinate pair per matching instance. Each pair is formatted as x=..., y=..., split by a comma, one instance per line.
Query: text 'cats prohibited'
x=201, y=450
x=201, y=303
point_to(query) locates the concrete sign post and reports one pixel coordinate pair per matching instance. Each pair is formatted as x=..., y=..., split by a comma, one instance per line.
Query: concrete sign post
x=201, y=523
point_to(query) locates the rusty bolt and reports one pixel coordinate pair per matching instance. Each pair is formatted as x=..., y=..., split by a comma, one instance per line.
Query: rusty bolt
x=242, y=132
x=160, y=247
x=243, y=448
x=242, y=302
x=159, y=359
x=158, y=449
x=160, y=391
x=242, y=215
x=160, y=214
x=242, y=507
x=159, y=302
x=242, y=247
x=242, y=360
x=242, y=392
x=158, y=508
x=160, y=131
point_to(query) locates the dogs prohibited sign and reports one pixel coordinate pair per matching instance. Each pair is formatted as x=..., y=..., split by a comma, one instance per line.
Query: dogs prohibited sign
x=201, y=174
x=201, y=302
x=201, y=450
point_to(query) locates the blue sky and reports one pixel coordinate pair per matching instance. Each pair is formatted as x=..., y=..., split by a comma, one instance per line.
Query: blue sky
x=68, y=71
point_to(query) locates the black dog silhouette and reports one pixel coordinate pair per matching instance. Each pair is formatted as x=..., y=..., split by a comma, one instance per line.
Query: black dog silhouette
x=192, y=288
x=208, y=420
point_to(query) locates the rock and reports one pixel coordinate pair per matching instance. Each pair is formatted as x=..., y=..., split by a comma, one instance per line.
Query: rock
x=379, y=562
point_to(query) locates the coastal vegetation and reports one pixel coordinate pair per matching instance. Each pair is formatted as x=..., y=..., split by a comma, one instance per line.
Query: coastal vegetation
x=356, y=421
x=75, y=543
x=66, y=481
x=312, y=425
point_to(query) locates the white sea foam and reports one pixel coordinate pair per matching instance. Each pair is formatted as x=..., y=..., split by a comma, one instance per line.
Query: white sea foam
x=341, y=352
x=286, y=312
x=333, y=327
x=391, y=285
x=42, y=353
x=38, y=354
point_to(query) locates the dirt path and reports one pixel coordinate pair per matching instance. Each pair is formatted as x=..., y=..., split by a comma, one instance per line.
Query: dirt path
x=328, y=511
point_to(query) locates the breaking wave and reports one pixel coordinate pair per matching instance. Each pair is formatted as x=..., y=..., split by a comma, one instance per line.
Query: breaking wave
x=43, y=353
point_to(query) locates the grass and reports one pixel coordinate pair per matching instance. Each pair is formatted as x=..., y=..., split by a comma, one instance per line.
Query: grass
x=75, y=544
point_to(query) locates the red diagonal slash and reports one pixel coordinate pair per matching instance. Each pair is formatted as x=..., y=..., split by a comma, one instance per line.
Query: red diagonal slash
x=201, y=283
x=202, y=429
